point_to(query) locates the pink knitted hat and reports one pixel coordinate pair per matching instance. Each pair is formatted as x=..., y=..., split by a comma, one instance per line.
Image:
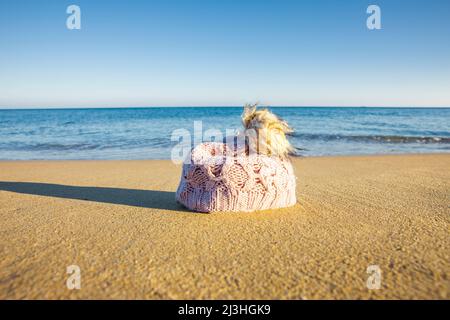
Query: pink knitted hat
x=220, y=179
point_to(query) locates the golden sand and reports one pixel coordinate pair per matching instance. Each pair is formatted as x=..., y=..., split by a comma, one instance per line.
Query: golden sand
x=118, y=221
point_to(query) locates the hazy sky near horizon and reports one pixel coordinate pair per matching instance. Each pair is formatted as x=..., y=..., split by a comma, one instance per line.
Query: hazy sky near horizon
x=172, y=52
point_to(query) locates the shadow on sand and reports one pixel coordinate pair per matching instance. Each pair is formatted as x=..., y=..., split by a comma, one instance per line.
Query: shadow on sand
x=139, y=198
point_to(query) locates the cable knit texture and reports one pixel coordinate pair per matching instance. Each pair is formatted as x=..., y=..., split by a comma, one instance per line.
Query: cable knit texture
x=219, y=178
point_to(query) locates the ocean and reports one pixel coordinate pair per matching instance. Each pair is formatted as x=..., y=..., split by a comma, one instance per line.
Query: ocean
x=146, y=133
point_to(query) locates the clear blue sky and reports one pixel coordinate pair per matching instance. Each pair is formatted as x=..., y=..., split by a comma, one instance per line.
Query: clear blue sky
x=228, y=52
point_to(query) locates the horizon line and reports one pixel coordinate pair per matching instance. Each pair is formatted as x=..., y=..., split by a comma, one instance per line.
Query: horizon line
x=217, y=106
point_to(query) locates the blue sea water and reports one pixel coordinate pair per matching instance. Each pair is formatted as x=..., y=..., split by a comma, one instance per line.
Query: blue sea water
x=145, y=133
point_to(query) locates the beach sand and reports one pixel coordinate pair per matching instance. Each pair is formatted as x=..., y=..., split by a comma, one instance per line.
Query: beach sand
x=118, y=221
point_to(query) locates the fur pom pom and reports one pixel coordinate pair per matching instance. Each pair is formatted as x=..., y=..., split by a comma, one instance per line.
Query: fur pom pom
x=266, y=132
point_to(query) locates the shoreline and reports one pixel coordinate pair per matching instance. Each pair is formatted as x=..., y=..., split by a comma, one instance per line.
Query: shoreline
x=292, y=157
x=118, y=221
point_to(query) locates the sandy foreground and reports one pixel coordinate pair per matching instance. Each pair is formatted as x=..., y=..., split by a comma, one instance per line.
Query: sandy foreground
x=118, y=221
